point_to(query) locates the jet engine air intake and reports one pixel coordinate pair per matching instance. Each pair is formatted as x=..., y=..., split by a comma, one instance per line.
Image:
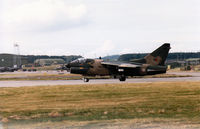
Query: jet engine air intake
x=78, y=70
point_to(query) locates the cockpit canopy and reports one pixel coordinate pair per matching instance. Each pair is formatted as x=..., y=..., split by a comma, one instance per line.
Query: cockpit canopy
x=82, y=60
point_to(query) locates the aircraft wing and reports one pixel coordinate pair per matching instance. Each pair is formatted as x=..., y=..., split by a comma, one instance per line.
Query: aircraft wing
x=121, y=64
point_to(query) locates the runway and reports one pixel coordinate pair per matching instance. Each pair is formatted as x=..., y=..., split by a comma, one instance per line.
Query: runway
x=196, y=77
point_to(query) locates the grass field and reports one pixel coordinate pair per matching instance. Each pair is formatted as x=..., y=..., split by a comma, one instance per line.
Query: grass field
x=170, y=100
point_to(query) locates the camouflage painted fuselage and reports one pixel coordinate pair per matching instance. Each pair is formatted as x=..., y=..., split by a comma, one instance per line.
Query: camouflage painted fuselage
x=88, y=67
x=93, y=67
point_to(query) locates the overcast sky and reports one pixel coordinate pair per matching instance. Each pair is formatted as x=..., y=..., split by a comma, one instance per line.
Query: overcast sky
x=93, y=28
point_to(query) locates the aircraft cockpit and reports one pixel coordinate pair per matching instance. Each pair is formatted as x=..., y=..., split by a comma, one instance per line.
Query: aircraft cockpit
x=79, y=60
x=82, y=61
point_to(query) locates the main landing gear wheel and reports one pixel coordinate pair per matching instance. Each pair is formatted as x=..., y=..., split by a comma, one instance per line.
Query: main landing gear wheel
x=86, y=79
x=122, y=78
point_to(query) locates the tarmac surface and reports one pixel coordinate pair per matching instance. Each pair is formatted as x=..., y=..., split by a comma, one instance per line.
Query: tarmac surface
x=195, y=77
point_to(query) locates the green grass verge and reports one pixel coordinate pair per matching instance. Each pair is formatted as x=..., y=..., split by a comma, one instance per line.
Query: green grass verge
x=102, y=102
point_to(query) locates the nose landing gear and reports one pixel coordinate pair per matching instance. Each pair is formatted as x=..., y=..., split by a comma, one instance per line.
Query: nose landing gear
x=86, y=79
x=122, y=78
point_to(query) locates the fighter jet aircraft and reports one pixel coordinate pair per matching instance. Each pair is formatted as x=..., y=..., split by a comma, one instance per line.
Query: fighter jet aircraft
x=153, y=63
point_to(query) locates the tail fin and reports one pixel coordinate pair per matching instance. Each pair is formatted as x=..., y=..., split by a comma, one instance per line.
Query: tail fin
x=158, y=56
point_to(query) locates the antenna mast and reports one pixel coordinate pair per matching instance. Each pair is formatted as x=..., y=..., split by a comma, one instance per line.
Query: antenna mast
x=16, y=58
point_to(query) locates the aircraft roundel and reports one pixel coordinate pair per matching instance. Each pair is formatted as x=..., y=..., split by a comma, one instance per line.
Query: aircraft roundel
x=155, y=59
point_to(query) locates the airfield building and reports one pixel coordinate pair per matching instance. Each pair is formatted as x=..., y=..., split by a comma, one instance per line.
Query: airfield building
x=48, y=62
x=193, y=61
x=6, y=60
